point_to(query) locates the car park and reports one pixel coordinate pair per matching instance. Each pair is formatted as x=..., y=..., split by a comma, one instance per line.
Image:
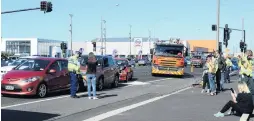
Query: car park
x=126, y=71
x=107, y=71
x=37, y=76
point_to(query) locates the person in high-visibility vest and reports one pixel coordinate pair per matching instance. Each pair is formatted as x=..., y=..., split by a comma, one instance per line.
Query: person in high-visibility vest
x=212, y=69
x=228, y=68
x=246, y=70
x=74, y=69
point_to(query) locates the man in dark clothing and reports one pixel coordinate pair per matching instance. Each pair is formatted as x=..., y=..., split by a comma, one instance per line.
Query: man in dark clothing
x=220, y=72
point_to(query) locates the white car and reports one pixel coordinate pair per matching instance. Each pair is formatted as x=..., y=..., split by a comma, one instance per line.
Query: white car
x=12, y=65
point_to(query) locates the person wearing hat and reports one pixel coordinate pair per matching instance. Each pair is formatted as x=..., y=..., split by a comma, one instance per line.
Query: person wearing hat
x=74, y=69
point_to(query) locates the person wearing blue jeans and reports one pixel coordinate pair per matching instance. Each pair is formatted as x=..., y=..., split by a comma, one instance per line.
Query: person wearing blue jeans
x=91, y=75
x=212, y=83
x=91, y=82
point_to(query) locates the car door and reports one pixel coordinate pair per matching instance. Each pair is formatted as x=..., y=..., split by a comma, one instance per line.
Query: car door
x=106, y=70
x=53, y=80
x=113, y=68
x=64, y=77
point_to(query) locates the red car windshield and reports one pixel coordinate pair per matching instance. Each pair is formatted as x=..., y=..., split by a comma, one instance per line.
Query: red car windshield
x=33, y=65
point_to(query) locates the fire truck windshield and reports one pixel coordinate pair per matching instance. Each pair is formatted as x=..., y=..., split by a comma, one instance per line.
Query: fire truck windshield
x=173, y=51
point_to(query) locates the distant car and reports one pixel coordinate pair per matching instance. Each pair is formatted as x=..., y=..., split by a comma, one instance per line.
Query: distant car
x=197, y=61
x=13, y=64
x=37, y=76
x=144, y=62
x=126, y=72
x=107, y=71
x=234, y=64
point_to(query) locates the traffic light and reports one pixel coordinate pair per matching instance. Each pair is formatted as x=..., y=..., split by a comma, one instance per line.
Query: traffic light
x=220, y=47
x=227, y=32
x=43, y=5
x=49, y=7
x=63, y=46
x=214, y=27
x=94, y=46
x=242, y=46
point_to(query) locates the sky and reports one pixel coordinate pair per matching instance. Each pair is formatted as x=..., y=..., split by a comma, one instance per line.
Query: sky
x=186, y=19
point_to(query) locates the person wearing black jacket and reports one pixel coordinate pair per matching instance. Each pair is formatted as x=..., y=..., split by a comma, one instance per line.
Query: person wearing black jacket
x=220, y=72
x=241, y=103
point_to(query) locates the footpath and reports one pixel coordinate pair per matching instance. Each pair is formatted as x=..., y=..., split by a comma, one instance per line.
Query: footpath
x=202, y=106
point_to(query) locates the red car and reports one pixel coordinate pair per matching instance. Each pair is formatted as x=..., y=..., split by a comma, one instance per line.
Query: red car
x=126, y=71
x=37, y=76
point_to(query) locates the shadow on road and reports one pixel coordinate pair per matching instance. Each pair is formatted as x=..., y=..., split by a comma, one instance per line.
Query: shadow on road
x=15, y=115
x=186, y=75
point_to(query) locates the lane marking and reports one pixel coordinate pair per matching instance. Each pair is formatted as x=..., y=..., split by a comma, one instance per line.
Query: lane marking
x=152, y=81
x=64, y=96
x=38, y=101
x=127, y=108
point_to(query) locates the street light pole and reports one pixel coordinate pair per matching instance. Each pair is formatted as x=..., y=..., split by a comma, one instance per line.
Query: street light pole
x=130, y=39
x=71, y=30
x=218, y=25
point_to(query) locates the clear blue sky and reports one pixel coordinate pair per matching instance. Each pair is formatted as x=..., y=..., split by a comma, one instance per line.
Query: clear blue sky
x=187, y=19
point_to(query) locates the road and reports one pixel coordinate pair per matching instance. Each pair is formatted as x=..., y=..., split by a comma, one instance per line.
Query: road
x=146, y=98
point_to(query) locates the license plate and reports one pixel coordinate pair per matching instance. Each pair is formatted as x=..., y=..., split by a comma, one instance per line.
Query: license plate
x=9, y=87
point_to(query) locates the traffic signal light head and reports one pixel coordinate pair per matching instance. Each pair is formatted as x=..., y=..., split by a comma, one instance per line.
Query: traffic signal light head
x=94, y=46
x=49, y=7
x=43, y=5
x=214, y=27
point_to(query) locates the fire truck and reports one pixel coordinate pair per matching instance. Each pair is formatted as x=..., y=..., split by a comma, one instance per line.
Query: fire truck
x=168, y=58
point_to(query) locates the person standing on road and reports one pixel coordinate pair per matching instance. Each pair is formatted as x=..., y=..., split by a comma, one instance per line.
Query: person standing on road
x=220, y=72
x=205, y=76
x=241, y=103
x=74, y=69
x=228, y=68
x=91, y=75
x=212, y=69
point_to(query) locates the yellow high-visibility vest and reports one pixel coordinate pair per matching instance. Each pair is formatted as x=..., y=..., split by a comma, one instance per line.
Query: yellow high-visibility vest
x=229, y=62
x=73, y=64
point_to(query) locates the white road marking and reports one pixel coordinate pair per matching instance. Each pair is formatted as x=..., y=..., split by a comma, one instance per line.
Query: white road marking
x=38, y=101
x=65, y=96
x=137, y=83
x=152, y=81
x=124, y=109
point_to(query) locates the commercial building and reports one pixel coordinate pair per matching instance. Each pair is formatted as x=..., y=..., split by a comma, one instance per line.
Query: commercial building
x=122, y=46
x=202, y=45
x=30, y=46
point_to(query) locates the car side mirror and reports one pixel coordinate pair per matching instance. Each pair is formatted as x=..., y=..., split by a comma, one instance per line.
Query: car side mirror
x=51, y=71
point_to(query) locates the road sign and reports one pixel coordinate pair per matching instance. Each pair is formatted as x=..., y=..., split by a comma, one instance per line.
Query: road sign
x=138, y=42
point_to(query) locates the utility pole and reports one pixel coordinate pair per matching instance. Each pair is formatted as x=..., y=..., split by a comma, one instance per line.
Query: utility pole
x=71, y=30
x=101, y=36
x=218, y=25
x=105, y=37
x=130, y=39
x=149, y=39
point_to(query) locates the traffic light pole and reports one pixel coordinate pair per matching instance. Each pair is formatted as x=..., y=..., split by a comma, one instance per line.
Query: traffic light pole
x=21, y=10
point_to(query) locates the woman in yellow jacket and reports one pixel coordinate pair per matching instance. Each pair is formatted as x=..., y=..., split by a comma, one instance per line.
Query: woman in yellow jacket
x=246, y=70
x=212, y=69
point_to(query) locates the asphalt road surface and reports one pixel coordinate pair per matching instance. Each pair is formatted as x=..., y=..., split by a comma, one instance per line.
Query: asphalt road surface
x=150, y=98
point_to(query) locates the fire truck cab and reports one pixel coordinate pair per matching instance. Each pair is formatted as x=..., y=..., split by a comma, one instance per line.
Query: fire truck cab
x=168, y=58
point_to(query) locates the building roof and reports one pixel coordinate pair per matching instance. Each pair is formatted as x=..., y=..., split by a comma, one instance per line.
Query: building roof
x=125, y=39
